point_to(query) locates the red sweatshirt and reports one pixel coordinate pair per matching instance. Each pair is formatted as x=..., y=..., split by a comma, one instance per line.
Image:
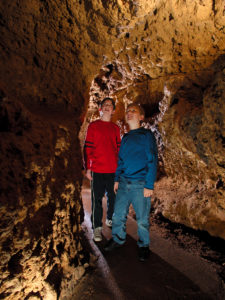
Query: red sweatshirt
x=102, y=146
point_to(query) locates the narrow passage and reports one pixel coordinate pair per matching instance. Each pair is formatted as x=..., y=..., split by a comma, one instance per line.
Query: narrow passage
x=170, y=272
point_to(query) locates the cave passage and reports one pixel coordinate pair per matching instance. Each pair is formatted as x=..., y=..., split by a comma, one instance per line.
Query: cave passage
x=59, y=59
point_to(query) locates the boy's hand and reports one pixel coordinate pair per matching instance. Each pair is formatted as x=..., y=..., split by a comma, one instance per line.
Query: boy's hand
x=88, y=175
x=148, y=192
x=116, y=185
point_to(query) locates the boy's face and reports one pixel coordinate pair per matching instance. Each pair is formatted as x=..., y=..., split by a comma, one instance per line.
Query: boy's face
x=133, y=115
x=107, y=108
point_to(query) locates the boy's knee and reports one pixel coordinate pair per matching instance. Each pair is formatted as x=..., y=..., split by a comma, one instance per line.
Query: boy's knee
x=118, y=219
x=142, y=223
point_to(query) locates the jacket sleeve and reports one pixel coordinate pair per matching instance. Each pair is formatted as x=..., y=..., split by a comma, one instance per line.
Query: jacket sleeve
x=120, y=164
x=118, y=139
x=152, y=160
x=89, y=147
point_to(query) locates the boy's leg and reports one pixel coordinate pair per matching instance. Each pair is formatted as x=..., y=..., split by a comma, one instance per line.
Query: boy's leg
x=109, y=183
x=142, y=207
x=97, y=193
x=119, y=218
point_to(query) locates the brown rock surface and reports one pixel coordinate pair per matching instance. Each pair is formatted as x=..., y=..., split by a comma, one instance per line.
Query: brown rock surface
x=55, y=55
x=40, y=207
x=193, y=134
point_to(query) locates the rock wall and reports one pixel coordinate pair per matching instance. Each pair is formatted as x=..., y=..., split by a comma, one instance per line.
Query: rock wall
x=42, y=100
x=41, y=210
x=193, y=191
x=55, y=56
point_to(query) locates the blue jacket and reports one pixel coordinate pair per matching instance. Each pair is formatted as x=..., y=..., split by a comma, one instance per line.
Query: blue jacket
x=138, y=157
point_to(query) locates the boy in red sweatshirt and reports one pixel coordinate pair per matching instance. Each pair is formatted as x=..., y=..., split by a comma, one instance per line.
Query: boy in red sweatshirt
x=100, y=156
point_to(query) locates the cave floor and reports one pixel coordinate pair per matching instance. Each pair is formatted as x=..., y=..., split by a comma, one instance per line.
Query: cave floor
x=172, y=271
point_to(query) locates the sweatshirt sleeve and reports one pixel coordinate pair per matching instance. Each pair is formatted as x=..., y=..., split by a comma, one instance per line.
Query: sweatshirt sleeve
x=89, y=147
x=152, y=160
x=120, y=164
x=118, y=139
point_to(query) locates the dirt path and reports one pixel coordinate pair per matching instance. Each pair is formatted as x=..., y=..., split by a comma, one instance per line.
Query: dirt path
x=172, y=271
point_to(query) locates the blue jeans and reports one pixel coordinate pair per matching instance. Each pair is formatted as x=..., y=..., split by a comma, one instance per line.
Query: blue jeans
x=131, y=192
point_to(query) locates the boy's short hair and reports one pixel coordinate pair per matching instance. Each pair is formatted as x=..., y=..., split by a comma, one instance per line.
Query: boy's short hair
x=107, y=98
x=137, y=105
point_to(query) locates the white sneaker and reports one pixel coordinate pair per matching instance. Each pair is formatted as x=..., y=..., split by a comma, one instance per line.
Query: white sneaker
x=108, y=222
x=98, y=234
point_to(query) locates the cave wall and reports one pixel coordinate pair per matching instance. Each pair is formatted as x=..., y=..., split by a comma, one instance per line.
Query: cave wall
x=193, y=190
x=42, y=100
x=55, y=55
x=41, y=211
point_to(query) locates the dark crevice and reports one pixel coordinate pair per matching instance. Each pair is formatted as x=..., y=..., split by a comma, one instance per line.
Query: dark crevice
x=14, y=263
x=214, y=7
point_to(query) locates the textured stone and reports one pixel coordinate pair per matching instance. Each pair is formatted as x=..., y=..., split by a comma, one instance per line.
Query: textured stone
x=37, y=212
x=193, y=160
x=58, y=59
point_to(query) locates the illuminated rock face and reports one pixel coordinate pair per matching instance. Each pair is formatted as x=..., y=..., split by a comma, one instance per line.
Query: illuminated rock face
x=193, y=190
x=41, y=212
x=168, y=55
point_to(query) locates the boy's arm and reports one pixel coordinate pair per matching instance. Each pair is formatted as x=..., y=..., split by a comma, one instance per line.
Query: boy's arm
x=89, y=175
x=119, y=165
x=116, y=186
x=148, y=192
x=88, y=151
x=118, y=139
x=152, y=160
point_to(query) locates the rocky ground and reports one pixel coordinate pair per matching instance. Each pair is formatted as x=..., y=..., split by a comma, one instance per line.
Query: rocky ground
x=195, y=242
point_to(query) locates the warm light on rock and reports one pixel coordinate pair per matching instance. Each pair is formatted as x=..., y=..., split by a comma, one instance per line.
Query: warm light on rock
x=58, y=60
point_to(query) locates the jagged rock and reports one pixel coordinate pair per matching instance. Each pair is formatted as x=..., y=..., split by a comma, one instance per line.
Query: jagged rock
x=60, y=57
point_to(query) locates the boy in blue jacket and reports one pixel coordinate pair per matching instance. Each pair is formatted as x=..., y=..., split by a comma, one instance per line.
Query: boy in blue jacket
x=134, y=182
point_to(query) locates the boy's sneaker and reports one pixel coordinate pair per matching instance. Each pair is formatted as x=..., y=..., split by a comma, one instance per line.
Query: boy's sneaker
x=98, y=234
x=108, y=222
x=143, y=253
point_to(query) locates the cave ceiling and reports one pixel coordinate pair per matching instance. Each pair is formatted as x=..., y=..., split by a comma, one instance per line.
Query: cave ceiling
x=130, y=48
